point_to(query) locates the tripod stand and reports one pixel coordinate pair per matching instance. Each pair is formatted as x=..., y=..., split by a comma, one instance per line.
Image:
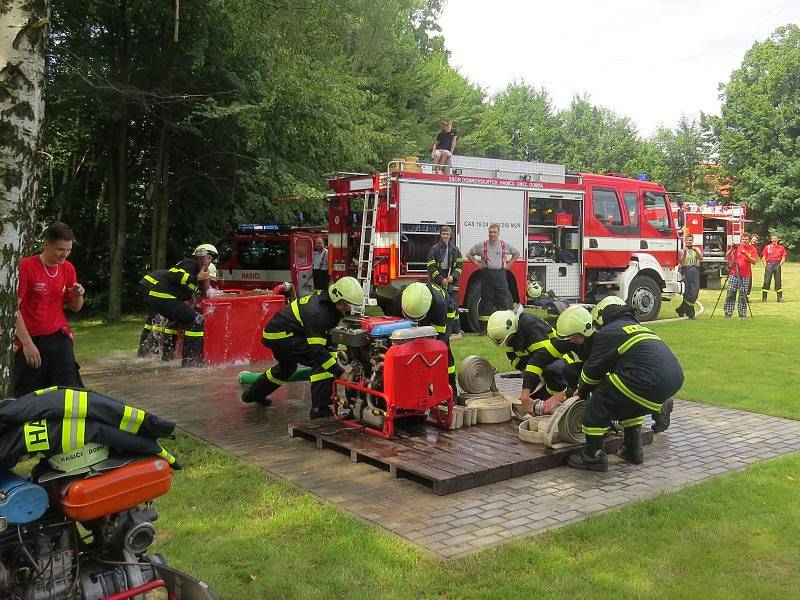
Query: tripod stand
x=735, y=272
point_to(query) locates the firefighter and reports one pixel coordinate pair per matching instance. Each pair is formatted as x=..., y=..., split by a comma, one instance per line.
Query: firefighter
x=428, y=304
x=773, y=255
x=690, y=259
x=495, y=294
x=444, y=269
x=166, y=293
x=629, y=374
x=300, y=334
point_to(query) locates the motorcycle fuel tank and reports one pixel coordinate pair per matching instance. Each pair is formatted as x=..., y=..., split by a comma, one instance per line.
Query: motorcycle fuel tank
x=21, y=501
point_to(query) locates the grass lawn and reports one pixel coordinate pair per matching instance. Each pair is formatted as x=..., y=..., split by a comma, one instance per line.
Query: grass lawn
x=733, y=537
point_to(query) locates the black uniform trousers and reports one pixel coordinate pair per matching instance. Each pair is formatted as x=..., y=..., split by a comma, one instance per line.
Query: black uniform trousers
x=58, y=366
x=180, y=315
x=294, y=350
x=321, y=279
x=607, y=404
x=773, y=269
x=495, y=294
x=691, y=288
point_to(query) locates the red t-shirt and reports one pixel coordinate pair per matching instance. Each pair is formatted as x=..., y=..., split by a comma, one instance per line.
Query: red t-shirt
x=741, y=254
x=42, y=293
x=773, y=252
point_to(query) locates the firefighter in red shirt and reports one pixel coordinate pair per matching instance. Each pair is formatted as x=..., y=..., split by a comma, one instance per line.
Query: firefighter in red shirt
x=773, y=255
x=740, y=257
x=43, y=351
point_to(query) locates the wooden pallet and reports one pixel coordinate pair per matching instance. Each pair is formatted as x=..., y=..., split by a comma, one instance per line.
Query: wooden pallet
x=445, y=461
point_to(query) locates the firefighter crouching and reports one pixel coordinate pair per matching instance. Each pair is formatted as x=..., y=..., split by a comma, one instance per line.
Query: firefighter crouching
x=166, y=293
x=630, y=372
x=299, y=334
x=429, y=304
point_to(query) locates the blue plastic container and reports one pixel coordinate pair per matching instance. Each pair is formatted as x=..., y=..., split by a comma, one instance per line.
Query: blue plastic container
x=388, y=328
x=21, y=501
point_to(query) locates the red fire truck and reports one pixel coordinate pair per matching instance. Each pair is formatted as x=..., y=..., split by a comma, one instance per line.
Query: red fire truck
x=714, y=228
x=582, y=236
x=262, y=256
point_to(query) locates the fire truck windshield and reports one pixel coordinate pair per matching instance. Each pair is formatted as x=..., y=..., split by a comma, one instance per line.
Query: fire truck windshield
x=261, y=254
x=656, y=210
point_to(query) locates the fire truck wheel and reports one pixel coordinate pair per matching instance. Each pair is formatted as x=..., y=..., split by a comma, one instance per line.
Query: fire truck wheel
x=470, y=320
x=645, y=297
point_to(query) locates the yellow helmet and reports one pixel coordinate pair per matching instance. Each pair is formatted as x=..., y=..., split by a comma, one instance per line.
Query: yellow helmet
x=597, y=311
x=534, y=289
x=416, y=300
x=501, y=325
x=575, y=319
x=347, y=289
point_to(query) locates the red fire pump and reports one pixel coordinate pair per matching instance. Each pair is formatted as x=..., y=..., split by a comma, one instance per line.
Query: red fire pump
x=395, y=371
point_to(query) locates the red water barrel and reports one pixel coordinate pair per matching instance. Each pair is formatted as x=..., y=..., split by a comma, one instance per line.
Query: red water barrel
x=233, y=327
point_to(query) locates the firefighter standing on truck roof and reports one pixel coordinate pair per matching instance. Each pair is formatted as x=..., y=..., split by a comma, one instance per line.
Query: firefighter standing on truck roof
x=166, y=293
x=629, y=374
x=428, y=304
x=495, y=294
x=300, y=333
x=444, y=269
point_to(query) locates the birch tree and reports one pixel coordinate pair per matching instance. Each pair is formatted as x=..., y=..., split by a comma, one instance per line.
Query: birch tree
x=23, y=38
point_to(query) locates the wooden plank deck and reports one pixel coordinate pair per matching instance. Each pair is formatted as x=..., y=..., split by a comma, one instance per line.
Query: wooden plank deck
x=445, y=461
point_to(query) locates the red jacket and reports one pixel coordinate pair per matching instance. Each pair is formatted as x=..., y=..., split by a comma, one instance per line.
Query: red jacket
x=773, y=252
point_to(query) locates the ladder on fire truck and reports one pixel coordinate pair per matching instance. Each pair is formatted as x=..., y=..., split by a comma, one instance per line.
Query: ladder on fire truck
x=366, y=247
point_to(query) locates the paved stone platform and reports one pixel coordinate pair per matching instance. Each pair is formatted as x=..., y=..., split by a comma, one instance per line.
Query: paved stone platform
x=205, y=402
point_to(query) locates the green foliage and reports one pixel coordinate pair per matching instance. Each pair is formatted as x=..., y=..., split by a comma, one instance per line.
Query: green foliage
x=759, y=133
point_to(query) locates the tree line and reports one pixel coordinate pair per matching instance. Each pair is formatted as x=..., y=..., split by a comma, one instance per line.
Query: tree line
x=167, y=123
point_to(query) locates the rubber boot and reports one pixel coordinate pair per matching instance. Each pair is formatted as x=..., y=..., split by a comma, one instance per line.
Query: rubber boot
x=681, y=310
x=780, y=296
x=257, y=392
x=689, y=311
x=763, y=296
x=320, y=412
x=661, y=419
x=631, y=449
x=592, y=457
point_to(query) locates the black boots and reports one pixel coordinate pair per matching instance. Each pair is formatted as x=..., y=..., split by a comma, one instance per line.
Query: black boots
x=763, y=296
x=661, y=419
x=780, y=296
x=592, y=457
x=257, y=392
x=681, y=309
x=320, y=412
x=631, y=449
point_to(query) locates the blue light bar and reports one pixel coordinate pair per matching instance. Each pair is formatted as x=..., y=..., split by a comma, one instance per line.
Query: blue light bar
x=247, y=227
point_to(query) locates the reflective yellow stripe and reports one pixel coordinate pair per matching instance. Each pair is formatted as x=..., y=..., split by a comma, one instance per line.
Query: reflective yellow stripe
x=150, y=279
x=515, y=362
x=552, y=334
x=653, y=406
x=45, y=390
x=451, y=369
x=272, y=378
x=483, y=318
x=35, y=433
x=534, y=369
x=193, y=333
x=553, y=392
x=552, y=349
x=586, y=379
x=169, y=331
x=594, y=431
x=440, y=328
x=434, y=274
x=451, y=315
x=329, y=363
x=635, y=340
x=148, y=327
x=296, y=311
x=167, y=456
x=277, y=336
x=321, y=376
x=192, y=287
x=432, y=262
x=316, y=341
x=132, y=419
x=73, y=426
x=536, y=345
x=161, y=295
x=632, y=422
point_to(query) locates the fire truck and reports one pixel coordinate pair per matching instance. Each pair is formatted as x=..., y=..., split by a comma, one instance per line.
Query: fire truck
x=715, y=227
x=583, y=236
x=261, y=256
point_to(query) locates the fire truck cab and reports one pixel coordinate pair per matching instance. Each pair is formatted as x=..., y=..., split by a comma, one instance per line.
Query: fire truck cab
x=261, y=256
x=714, y=227
x=582, y=236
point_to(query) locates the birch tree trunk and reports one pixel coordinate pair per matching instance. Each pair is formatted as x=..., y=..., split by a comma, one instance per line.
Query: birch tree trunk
x=24, y=26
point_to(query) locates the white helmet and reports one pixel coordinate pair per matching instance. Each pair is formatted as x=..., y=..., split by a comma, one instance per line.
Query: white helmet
x=534, y=289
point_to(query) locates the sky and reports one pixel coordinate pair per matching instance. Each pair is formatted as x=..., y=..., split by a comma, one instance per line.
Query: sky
x=647, y=60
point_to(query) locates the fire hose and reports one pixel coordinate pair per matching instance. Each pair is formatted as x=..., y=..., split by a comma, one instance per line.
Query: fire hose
x=564, y=425
x=476, y=375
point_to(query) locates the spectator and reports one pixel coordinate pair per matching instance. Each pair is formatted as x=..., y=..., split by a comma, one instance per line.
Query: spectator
x=740, y=258
x=773, y=255
x=444, y=147
x=319, y=266
x=690, y=260
x=444, y=269
x=495, y=294
x=44, y=354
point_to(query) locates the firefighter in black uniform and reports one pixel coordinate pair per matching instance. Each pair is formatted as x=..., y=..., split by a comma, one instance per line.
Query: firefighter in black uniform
x=166, y=293
x=300, y=333
x=629, y=374
x=445, y=265
x=428, y=304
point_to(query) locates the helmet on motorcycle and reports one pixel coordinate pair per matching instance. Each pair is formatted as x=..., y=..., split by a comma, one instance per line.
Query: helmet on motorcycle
x=204, y=249
x=575, y=319
x=534, y=289
x=347, y=289
x=501, y=325
x=597, y=311
x=416, y=300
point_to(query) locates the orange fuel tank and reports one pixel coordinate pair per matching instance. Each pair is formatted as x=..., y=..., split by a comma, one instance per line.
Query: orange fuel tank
x=116, y=490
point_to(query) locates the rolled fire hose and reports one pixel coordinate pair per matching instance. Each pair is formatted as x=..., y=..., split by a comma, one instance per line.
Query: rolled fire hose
x=492, y=409
x=566, y=423
x=476, y=375
x=248, y=377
